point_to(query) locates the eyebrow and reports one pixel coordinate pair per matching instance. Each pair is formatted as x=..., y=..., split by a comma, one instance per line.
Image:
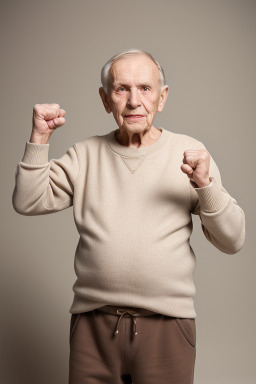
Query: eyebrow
x=144, y=84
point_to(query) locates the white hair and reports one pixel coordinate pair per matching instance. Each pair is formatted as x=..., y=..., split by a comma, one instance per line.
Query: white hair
x=105, y=72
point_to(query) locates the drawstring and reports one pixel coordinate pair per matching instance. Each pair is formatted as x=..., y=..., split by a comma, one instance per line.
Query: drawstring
x=134, y=319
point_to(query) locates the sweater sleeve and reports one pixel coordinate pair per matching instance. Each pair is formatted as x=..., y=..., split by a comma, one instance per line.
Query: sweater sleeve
x=222, y=219
x=44, y=186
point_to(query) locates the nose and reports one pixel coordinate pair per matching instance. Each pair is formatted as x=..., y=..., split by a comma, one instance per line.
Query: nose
x=134, y=98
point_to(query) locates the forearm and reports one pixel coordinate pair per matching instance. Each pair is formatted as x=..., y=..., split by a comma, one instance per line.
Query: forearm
x=43, y=186
x=225, y=229
x=223, y=220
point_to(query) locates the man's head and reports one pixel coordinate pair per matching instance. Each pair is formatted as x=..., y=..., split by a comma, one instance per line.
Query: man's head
x=133, y=84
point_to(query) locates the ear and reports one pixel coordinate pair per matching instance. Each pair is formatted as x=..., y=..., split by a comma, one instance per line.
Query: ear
x=104, y=99
x=163, y=98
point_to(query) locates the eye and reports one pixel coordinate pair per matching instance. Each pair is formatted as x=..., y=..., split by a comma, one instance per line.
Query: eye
x=121, y=89
x=145, y=88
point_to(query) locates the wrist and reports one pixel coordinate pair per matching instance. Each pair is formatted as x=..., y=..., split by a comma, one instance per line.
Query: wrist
x=39, y=139
x=202, y=184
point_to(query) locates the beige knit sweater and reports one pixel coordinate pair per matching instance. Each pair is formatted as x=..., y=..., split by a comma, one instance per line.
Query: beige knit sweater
x=132, y=208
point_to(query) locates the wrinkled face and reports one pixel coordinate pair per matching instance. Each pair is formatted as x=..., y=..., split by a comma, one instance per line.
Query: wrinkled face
x=134, y=95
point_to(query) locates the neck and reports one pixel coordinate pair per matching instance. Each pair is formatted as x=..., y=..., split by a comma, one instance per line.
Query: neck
x=137, y=139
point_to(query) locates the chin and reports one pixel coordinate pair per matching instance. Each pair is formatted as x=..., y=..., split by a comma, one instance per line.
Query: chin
x=135, y=126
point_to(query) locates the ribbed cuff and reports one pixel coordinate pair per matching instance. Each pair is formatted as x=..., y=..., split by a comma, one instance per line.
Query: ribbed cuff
x=211, y=198
x=36, y=154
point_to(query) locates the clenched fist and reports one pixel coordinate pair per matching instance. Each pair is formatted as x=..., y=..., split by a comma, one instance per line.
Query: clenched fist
x=46, y=118
x=196, y=164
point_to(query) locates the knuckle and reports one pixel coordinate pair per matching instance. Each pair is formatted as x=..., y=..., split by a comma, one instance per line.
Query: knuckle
x=204, y=155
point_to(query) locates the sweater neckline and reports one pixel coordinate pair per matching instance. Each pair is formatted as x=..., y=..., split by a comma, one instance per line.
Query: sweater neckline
x=135, y=152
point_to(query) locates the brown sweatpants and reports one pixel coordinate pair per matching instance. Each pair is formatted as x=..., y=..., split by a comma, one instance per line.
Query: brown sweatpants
x=147, y=349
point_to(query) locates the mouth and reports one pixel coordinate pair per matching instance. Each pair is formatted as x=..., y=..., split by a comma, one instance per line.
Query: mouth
x=134, y=117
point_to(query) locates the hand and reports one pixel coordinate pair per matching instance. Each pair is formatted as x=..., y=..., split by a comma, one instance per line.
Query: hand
x=46, y=118
x=196, y=164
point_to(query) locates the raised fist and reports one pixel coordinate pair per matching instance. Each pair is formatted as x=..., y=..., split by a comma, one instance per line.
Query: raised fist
x=196, y=164
x=46, y=118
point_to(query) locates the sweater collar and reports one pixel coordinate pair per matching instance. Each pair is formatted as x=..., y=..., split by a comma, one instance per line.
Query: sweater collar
x=135, y=152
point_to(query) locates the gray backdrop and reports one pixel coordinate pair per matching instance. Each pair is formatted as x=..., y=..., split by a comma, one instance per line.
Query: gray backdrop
x=52, y=52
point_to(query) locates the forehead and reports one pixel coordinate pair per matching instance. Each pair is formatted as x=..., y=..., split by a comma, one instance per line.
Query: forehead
x=132, y=69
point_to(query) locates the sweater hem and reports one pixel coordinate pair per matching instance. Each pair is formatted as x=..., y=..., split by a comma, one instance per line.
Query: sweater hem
x=211, y=197
x=36, y=154
x=188, y=311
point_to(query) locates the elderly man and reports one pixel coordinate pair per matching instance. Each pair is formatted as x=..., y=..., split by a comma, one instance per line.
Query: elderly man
x=133, y=192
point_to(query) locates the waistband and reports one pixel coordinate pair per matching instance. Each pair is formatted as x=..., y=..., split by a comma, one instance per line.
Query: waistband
x=126, y=312
x=116, y=310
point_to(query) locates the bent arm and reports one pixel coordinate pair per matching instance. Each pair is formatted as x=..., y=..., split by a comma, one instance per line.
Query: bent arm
x=222, y=219
x=44, y=186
